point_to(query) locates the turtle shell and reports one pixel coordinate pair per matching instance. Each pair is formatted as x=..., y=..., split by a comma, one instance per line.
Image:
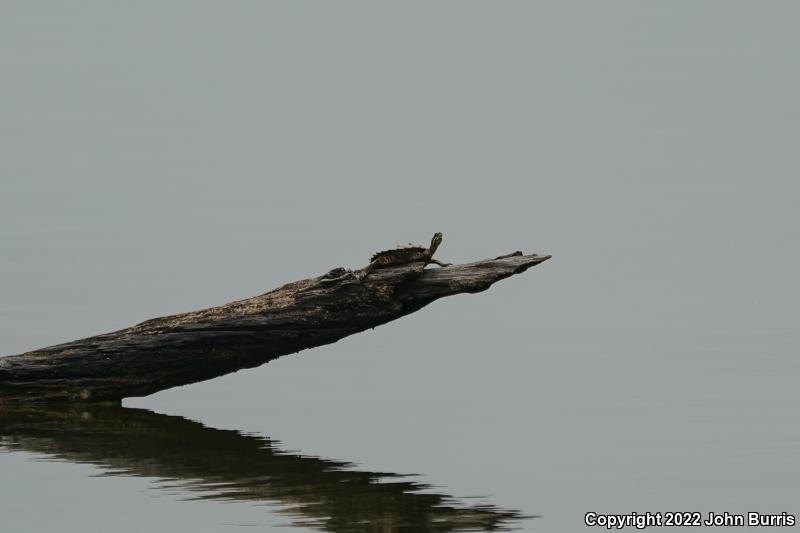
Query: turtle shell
x=399, y=256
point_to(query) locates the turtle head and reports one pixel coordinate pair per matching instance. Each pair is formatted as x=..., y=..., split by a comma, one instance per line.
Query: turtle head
x=435, y=242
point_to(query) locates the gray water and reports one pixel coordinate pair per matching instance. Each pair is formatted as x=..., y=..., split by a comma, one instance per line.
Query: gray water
x=158, y=157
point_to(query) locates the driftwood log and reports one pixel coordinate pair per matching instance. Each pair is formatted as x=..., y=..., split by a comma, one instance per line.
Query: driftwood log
x=199, y=345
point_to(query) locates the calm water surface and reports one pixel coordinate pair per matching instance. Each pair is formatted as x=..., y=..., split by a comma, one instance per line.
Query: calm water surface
x=160, y=157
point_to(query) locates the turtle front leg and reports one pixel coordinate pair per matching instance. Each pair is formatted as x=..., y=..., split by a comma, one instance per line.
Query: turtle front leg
x=361, y=274
x=437, y=262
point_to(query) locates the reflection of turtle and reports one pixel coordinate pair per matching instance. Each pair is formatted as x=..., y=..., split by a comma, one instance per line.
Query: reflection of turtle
x=402, y=255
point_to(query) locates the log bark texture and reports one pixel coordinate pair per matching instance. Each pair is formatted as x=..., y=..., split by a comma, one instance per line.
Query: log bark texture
x=189, y=347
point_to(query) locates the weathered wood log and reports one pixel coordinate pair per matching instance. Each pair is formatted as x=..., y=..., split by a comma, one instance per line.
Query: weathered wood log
x=186, y=348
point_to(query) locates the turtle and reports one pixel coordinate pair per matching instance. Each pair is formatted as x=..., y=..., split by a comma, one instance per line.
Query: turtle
x=402, y=255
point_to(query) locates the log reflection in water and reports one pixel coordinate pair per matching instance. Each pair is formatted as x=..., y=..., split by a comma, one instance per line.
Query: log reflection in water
x=224, y=464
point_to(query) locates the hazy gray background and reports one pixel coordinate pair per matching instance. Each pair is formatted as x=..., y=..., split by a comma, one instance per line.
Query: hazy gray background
x=157, y=157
